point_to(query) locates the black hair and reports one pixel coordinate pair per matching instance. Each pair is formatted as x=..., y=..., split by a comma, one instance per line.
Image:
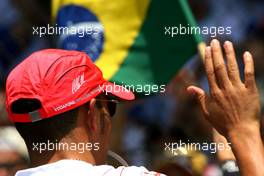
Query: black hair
x=50, y=129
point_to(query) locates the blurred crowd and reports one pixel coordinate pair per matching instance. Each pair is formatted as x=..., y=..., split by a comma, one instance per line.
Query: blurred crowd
x=141, y=128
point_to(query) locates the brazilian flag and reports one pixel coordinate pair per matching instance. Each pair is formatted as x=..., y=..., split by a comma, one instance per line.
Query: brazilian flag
x=127, y=39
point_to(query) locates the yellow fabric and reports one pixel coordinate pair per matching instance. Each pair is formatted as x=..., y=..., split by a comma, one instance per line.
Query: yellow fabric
x=122, y=21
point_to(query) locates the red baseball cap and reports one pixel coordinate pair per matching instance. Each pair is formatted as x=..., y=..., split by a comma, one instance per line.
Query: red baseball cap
x=61, y=80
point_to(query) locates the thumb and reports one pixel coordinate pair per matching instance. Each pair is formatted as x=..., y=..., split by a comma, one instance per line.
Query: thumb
x=200, y=95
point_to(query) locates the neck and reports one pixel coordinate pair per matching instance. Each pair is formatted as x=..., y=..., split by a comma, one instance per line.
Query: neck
x=63, y=151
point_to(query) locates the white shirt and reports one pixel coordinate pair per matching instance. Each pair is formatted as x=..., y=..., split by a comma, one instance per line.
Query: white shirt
x=80, y=168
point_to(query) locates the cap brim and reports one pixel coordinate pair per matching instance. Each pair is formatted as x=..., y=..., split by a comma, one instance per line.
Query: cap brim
x=118, y=91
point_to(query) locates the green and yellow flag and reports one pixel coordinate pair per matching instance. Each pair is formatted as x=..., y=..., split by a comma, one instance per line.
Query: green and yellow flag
x=132, y=41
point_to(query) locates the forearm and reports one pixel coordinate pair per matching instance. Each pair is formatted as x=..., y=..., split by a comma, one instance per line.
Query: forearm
x=248, y=149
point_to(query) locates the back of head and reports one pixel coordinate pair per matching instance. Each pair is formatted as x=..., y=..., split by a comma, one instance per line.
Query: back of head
x=51, y=129
x=47, y=96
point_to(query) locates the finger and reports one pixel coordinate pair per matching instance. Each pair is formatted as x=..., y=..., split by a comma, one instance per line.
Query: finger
x=232, y=67
x=249, y=71
x=219, y=65
x=200, y=95
x=209, y=69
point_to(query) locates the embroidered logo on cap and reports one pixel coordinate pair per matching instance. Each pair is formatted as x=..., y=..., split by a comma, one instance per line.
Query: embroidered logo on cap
x=77, y=83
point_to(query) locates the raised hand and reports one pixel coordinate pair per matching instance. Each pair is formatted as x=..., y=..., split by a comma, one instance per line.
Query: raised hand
x=231, y=103
x=233, y=106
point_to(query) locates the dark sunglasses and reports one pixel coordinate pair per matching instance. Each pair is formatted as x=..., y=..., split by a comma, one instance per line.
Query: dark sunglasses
x=111, y=105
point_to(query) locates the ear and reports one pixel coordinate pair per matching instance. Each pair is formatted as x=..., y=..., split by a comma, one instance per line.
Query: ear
x=91, y=114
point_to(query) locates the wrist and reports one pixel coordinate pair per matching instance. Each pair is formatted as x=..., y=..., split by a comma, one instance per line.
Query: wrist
x=244, y=131
x=247, y=146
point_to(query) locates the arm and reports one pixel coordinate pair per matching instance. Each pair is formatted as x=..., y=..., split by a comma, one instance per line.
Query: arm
x=248, y=149
x=233, y=106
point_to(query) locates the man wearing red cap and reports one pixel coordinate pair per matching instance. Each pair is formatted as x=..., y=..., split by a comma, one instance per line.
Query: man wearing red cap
x=59, y=104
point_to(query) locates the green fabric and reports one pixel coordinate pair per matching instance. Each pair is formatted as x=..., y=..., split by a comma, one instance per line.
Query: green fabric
x=155, y=58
